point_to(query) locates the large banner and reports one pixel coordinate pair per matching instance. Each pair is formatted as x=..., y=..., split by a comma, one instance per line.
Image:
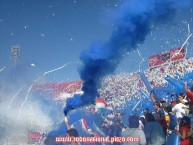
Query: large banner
x=55, y=89
x=166, y=57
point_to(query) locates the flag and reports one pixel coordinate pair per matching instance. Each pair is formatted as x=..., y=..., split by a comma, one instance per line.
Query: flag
x=109, y=107
x=100, y=103
x=82, y=127
x=84, y=124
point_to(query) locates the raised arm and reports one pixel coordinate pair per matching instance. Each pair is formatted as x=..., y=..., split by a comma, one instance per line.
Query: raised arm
x=66, y=122
x=186, y=86
x=188, y=92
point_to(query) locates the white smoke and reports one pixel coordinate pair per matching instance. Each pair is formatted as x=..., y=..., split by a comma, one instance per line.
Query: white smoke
x=14, y=129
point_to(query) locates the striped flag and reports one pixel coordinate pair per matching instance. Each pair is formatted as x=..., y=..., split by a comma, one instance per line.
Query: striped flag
x=82, y=127
x=100, y=103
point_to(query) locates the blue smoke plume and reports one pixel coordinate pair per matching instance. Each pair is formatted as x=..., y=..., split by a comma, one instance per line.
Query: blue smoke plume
x=72, y=103
x=133, y=23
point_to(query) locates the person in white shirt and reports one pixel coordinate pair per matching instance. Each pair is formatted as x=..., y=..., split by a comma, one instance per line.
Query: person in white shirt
x=178, y=109
x=183, y=99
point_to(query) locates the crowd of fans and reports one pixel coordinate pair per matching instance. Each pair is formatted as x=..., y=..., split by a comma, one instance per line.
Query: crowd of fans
x=117, y=89
x=153, y=126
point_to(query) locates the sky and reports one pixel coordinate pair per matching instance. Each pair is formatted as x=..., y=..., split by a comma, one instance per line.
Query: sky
x=52, y=34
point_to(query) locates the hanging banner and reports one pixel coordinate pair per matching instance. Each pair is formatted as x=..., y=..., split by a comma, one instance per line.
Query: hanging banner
x=166, y=57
